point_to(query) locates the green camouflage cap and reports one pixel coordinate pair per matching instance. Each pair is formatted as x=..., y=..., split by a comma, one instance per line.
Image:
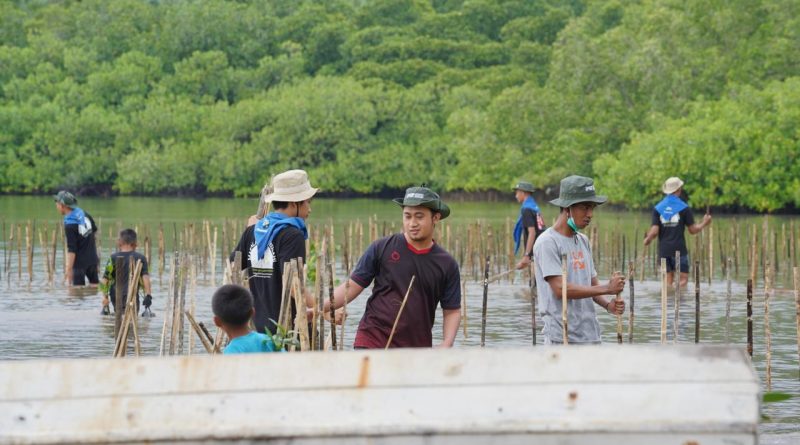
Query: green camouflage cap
x=575, y=189
x=425, y=197
x=524, y=186
x=66, y=198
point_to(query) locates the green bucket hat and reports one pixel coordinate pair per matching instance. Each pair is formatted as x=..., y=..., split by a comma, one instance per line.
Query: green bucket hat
x=425, y=197
x=575, y=189
x=524, y=186
x=66, y=198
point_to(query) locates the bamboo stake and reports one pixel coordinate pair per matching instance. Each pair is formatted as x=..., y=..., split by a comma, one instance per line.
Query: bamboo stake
x=168, y=308
x=8, y=252
x=728, y=297
x=464, y=309
x=29, y=250
x=564, y=327
x=796, y=279
x=286, y=291
x=619, y=316
x=333, y=311
x=767, y=331
x=200, y=332
x=320, y=291
x=534, y=297
x=663, y=300
x=750, y=317
x=676, y=276
x=710, y=254
x=400, y=312
x=344, y=306
x=696, y=304
x=631, y=275
x=485, y=300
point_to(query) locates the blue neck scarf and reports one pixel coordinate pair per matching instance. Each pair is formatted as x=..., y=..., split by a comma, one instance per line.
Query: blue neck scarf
x=529, y=203
x=76, y=216
x=268, y=227
x=669, y=206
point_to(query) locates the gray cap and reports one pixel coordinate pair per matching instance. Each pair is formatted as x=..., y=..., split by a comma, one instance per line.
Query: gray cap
x=575, y=189
x=425, y=197
x=524, y=186
x=66, y=198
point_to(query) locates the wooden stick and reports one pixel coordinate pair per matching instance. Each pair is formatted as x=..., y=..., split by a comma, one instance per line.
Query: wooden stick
x=333, y=311
x=631, y=275
x=750, y=317
x=728, y=297
x=200, y=332
x=497, y=276
x=485, y=300
x=796, y=279
x=400, y=312
x=696, y=303
x=767, y=331
x=676, y=277
x=534, y=297
x=663, y=300
x=564, y=327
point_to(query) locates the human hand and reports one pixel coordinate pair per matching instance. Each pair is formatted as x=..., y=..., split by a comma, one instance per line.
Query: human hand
x=148, y=300
x=616, y=306
x=706, y=219
x=68, y=279
x=616, y=284
x=338, y=314
x=524, y=262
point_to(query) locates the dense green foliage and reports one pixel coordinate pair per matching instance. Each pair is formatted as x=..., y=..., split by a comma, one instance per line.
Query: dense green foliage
x=216, y=96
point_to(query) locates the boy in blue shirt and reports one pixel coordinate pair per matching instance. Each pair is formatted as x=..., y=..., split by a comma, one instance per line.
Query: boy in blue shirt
x=233, y=309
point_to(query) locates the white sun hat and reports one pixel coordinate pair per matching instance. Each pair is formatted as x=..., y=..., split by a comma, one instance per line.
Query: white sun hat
x=291, y=186
x=671, y=185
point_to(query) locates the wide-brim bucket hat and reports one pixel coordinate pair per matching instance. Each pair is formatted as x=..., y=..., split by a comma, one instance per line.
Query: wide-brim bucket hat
x=575, y=189
x=671, y=185
x=425, y=197
x=291, y=186
x=524, y=186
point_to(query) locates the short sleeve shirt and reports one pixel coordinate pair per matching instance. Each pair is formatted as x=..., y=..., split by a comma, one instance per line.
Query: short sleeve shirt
x=582, y=323
x=83, y=246
x=265, y=275
x=252, y=342
x=391, y=262
x=670, y=233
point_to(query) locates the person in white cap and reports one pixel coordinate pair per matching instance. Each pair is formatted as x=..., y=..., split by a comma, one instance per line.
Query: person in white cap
x=275, y=239
x=670, y=217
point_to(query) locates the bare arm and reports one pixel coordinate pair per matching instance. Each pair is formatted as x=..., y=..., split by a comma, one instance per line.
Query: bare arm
x=651, y=234
x=697, y=227
x=575, y=291
x=618, y=308
x=526, y=259
x=146, y=282
x=353, y=290
x=451, y=318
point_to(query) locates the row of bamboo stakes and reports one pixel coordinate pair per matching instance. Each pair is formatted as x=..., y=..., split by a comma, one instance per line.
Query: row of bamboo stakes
x=764, y=252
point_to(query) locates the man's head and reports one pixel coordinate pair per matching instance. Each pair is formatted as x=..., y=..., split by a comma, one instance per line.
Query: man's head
x=672, y=186
x=522, y=190
x=232, y=305
x=577, y=199
x=65, y=201
x=292, y=193
x=422, y=209
x=127, y=238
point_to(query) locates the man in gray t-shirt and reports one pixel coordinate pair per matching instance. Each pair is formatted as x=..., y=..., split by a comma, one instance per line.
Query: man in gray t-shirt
x=577, y=200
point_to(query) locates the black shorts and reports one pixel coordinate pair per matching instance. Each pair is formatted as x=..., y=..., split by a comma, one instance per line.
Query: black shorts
x=684, y=264
x=78, y=275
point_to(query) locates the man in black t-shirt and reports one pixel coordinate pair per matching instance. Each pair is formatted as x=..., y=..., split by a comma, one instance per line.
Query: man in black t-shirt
x=670, y=217
x=530, y=223
x=274, y=240
x=126, y=249
x=391, y=263
x=79, y=229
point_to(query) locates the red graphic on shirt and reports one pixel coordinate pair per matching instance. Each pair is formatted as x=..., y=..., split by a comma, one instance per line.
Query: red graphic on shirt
x=395, y=256
x=578, y=261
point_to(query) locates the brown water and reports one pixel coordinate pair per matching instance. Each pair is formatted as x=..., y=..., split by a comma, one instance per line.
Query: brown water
x=40, y=320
